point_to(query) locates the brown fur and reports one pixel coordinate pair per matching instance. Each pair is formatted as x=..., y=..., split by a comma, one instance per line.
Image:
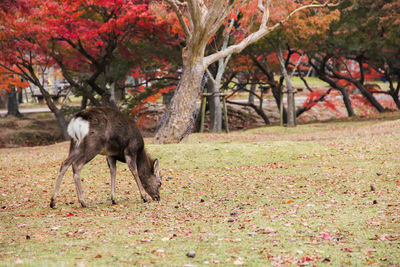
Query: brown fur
x=115, y=135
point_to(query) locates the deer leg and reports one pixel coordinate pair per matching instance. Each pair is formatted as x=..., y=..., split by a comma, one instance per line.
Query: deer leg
x=63, y=169
x=112, y=164
x=77, y=167
x=131, y=161
x=92, y=148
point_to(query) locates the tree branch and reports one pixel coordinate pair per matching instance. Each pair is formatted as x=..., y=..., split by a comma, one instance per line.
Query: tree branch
x=327, y=4
x=179, y=14
x=255, y=36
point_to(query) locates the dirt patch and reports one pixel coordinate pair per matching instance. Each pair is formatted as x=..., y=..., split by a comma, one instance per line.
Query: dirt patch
x=29, y=130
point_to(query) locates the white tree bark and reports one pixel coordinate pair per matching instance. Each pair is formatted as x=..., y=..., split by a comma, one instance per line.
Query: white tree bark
x=203, y=21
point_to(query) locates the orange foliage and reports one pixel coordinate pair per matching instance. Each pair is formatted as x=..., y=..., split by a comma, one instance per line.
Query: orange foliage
x=299, y=28
x=10, y=81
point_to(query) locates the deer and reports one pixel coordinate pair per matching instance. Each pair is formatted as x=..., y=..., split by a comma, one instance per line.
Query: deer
x=109, y=132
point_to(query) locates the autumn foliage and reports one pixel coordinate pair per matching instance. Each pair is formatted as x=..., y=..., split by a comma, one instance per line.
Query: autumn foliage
x=96, y=44
x=10, y=81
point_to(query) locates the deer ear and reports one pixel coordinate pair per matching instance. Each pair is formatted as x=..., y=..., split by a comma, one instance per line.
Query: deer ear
x=155, y=165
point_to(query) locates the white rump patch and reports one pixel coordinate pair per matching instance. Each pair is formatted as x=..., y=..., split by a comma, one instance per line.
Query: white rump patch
x=78, y=128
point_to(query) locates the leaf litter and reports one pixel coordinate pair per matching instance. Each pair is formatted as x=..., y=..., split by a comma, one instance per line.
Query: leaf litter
x=290, y=200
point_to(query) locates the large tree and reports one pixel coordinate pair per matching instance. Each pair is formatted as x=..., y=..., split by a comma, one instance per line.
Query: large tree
x=93, y=39
x=22, y=51
x=200, y=21
x=86, y=40
x=363, y=42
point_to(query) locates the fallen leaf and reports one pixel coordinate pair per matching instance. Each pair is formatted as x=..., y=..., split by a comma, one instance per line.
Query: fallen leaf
x=326, y=236
x=347, y=249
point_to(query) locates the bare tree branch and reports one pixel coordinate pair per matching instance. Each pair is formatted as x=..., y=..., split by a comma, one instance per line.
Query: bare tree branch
x=257, y=35
x=327, y=4
x=174, y=6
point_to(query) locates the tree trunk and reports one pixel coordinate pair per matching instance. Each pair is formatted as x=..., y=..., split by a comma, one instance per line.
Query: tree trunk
x=113, y=99
x=3, y=99
x=347, y=102
x=12, y=103
x=215, y=107
x=277, y=93
x=396, y=100
x=60, y=117
x=276, y=89
x=120, y=90
x=258, y=110
x=62, y=123
x=393, y=92
x=261, y=113
x=20, y=97
x=291, y=112
x=84, y=102
x=342, y=90
x=368, y=95
x=180, y=115
x=345, y=93
x=108, y=96
x=253, y=88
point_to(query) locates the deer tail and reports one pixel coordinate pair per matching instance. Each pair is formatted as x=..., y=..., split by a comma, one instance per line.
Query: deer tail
x=78, y=128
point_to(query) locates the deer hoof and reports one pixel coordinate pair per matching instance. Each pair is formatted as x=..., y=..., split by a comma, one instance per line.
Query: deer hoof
x=52, y=204
x=113, y=202
x=83, y=204
x=146, y=198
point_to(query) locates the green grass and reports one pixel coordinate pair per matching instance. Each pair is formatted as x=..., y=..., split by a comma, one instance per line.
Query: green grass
x=312, y=81
x=318, y=84
x=319, y=194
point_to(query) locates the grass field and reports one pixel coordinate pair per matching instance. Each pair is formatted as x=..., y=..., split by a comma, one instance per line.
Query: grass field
x=319, y=194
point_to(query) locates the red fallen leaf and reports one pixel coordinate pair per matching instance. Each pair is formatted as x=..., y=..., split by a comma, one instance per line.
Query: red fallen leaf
x=44, y=191
x=326, y=236
x=305, y=261
x=70, y=214
x=132, y=232
x=98, y=256
x=188, y=233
